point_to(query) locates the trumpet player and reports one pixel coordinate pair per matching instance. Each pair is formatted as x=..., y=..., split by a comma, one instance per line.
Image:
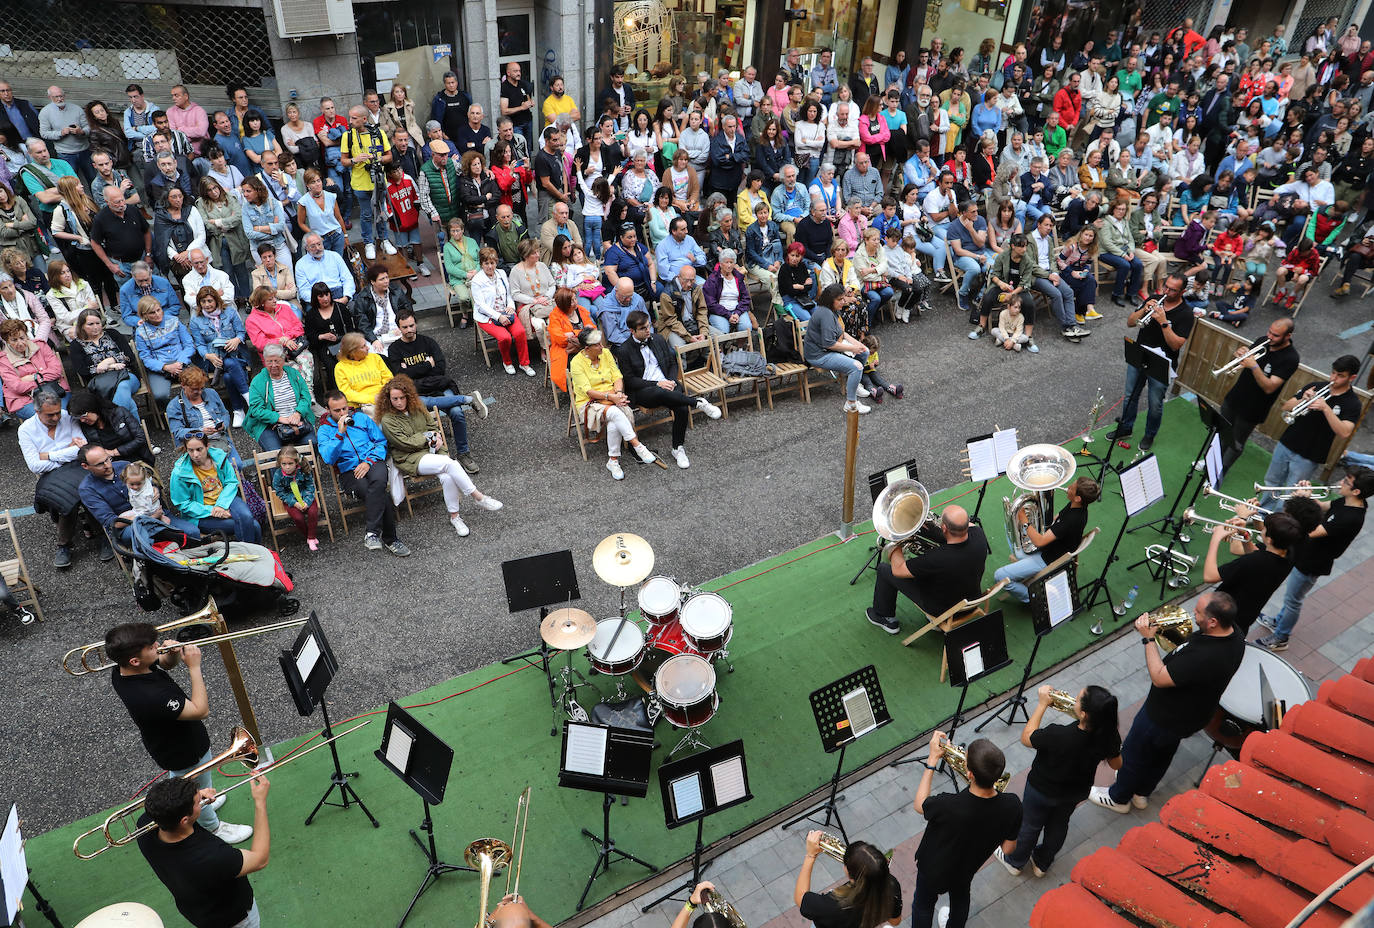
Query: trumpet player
x=1248, y=401
x=1165, y=323
x=962, y=830
x=870, y=895
x=1252, y=577
x=1304, y=445
x=937, y=580
x=169, y=722
x=1060, y=537
x=1065, y=765
x=1342, y=519
x=1185, y=688
x=687, y=914
x=207, y=878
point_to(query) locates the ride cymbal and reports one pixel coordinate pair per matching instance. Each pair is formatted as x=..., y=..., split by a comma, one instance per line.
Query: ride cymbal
x=623, y=559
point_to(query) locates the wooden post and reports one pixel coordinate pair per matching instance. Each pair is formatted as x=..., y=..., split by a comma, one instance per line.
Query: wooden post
x=231, y=667
x=851, y=452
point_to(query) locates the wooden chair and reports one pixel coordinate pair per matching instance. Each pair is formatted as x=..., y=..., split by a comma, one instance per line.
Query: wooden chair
x=264, y=462
x=1307, y=288
x=425, y=486
x=963, y=611
x=349, y=505
x=1066, y=557
x=816, y=376
x=705, y=380
x=485, y=343
x=452, y=305
x=783, y=371
x=16, y=571
x=751, y=340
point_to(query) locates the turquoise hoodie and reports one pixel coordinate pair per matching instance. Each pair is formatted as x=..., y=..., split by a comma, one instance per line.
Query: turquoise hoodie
x=188, y=495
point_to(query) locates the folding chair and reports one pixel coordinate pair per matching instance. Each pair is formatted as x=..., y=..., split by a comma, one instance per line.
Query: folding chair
x=485, y=343
x=354, y=505
x=705, y=380
x=963, y=611
x=452, y=305
x=815, y=376
x=1066, y=557
x=144, y=393
x=783, y=371
x=16, y=571
x=428, y=484
x=746, y=386
x=264, y=462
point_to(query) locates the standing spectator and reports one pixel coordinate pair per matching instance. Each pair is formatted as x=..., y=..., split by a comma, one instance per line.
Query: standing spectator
x=621, y=95
x=449, y=107
x=728, y=159
x=105, y=175
x=177, y=229
x=225, y=241
x=40, y=176
x=473, y=135
x=107, y=137
x=517, y=101
x=138, y=120
x=72, y=226
x=555, y=104
x=64, y=124
x=120, y=236
x=18, y=115
x=264, y=222
x=399, y=113
x=329, y=129
x=364, y=149
x=188, y=118
x=551, y=173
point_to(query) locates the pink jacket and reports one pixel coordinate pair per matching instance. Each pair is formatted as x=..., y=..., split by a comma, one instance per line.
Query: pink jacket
x=43, y=362
x=879, y=138
x=264, y=330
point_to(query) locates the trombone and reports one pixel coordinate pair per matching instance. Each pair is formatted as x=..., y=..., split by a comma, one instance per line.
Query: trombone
x=1229, y=503
x=242, y=747
x=1177, y=563
x=1257, y=352
x=1304, y=404
x=96, y=649
x=1251, y=535
x=1324, y=492
x=489, y=856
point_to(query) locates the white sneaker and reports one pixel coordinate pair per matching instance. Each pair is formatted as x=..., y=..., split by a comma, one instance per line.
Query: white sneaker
x=372, y=542
x=643, y=453
x=680, y=455
x=425, y=269
x=220, y=800
x=510, y=368
x=239, y=416
x=388, y=247
x=863, y=393
x=856, y=406
x=459, y=525
x=1140, y=802
x=1103, y=798
x=1002, y=859
x=479, y=405
x=233, y=834
x=1036, y=871
x=613, y=466
x=370, y=252
x=489, y=503
x=156, y=449
x=712, y=411
x=529, y=371
x=942, y=916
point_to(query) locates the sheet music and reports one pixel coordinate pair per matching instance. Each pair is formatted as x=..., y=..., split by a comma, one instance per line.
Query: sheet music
x=727, y=779
x=973, y=661
x=586, y=750
x=308, y=658
x=1142, y=486
x=1215, y=467
x=1005, y=443
x=982, y=459
x=859, y=710
x=1160, y=352
x=14, y=870
x=1059, y=598
x=897, y=473
x=398, y=747
x=687, y=795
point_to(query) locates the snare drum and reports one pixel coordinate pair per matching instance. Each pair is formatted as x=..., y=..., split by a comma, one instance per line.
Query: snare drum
x=1242, y=698
x=705, y=619
x=628, y=650
x=686, y=688
x=659, y=599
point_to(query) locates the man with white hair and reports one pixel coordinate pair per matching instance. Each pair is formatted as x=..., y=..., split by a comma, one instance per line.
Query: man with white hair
x=320, y=264
x=363, y=149
x=202, y=274
x=143, y=282
x=64, y=124
x=40, y=177
x=559, y=223
x=863, y=184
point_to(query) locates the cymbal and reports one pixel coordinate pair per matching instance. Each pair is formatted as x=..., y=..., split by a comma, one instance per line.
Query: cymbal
x=567, y=629
x=623, y=559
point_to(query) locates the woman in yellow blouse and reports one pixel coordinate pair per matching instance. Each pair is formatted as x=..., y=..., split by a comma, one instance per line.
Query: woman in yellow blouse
x=599, y=398
x=751, y=196
x=957, y=103
x=1092, y=175
x=359, y=372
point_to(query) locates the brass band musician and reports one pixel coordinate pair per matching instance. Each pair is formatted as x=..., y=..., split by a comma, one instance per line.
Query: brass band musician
x=1252, y=577
x=937, y=579
x=1060, y=537
x=1250, y=398
x=871, y=895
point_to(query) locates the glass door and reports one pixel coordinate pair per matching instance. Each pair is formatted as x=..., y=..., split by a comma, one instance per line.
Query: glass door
x=515, y=42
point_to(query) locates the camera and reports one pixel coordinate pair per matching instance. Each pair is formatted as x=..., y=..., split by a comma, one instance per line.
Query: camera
x=346, y=422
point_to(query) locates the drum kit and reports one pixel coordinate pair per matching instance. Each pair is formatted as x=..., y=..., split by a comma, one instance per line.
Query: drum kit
x=671, y=657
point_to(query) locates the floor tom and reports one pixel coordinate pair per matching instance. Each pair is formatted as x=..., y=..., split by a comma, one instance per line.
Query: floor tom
x=686, y=690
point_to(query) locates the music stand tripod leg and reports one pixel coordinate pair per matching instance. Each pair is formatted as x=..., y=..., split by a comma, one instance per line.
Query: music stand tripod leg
x=1019, y=700
x=437, y=868
x=873, y=553
x=693, y=878
x=605, y=849
x=831, y=804
x=338, y=780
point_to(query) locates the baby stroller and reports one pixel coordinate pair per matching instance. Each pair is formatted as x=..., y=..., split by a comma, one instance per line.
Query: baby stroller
x=243, y=578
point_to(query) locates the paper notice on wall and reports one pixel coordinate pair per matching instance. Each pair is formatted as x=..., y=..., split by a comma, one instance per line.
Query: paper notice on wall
x=388, y=70
x=384, y=87
x=441, y=52
x=140, y=66
x=6, y=51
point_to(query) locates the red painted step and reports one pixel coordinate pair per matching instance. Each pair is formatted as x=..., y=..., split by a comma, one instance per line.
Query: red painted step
x=1348, y=780
x=1330, y=727
x=1072, y=906
x=1350, y=694
x=1118, y=880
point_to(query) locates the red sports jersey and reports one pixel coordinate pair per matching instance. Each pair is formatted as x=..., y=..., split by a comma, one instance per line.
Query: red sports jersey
x=404, y=198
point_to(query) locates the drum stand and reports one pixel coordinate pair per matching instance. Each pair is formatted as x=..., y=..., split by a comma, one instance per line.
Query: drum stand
x=567, y=699
x=693, y=738
x=543, y=653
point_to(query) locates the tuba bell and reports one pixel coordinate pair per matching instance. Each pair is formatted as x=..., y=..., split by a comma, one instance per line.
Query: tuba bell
x=1039, y=470
x=900, y=510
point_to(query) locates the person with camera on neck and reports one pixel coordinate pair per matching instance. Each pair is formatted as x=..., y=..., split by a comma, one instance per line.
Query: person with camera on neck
x=356, y=447
x=365, y=150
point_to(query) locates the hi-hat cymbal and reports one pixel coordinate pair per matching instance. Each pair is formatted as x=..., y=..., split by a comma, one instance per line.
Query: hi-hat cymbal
x=567, y=629
x=623, y=559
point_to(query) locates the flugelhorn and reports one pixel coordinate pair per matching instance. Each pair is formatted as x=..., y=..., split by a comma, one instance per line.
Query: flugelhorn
x=1304, y=404
x=833, y=846
x=714, y=903
x=241, y=748
x=1323, y=492
x=1229, y=503
x=1249, y=534
x=1257, y=352
x=1178, y=563
x=1066, y=703
x=957, y=758
x=1173, y=624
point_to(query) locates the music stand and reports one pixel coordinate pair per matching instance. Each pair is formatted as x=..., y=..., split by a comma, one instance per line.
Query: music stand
x=988, y=457
x=972, y=651
x=538, y=582
x=877, y=482
x=309, y=667
x=606, y=760
x=422, y=761
x=1169, y=524
x=1141, y=487
x=844, y=711
x=1054, y=600
x=697, y=786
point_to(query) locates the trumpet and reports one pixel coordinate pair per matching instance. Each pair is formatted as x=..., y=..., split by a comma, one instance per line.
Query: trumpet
x=1251, y=535
x=1256, y=352
x=715, y=904
x=1177, y=563
x=1229, y=503
x=1174, y=624
x=242, y=747
x=1066, y=703
x=1324, y=492
x=832, y=846
x=957, y=758
x=1304, y=404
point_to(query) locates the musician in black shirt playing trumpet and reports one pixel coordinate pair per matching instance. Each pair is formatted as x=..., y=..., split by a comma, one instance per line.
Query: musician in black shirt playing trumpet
x=1252, y=577
x=1261, y=378
x=1304, y=445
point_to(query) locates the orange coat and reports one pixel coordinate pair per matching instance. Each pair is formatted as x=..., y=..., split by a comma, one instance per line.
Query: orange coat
x=560, y=327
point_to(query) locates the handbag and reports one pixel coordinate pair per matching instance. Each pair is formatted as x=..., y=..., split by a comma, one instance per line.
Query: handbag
x=253, y=499
x=106, y=382
x=289, y=434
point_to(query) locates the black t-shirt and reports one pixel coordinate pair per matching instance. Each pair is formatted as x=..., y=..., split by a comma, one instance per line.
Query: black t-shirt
x=1246, y=398
x=1310, y=435
x=469, y=139
x=552, y=167
x=1066, y=759
x=826, y=911
x=202, y=874
x=1068, y=532
x=455, y=114
x=1200, y=668
x=155, y=701
x=1251, y=579
x=514, y=95
x=1152, y=333
x=950, y=573
x=962, y=830
x=1342, y=523
x=121, y=237
x=412, y=359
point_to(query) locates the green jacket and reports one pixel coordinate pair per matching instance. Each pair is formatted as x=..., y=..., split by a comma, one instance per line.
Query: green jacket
x=1001, y=267
x=1117, y=241
x=1033, y=256
x=262, y=412
x=405, y=439
x=1334, y=235
x=188, y=494
x=445, y=204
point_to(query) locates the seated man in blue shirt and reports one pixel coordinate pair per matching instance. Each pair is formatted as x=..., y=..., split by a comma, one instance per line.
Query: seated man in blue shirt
x=106, y=496
x=319, y=263
x=612, y=311
x=355, y=446
x=143, y=282
x=676, y=249
x=790, y=201
x=968, y=243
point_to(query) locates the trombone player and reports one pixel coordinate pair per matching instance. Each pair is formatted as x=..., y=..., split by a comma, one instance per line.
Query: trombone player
x=1062, y=536
x=169, y=722
x=1261, y=378
x=1252, y=577
x=1304, y=445
x=208, y=879
x=937, y=580
x=512, y=912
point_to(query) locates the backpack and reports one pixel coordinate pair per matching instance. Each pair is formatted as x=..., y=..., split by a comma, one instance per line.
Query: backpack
x=308, y=152
x=741, y=363
x=780, y=338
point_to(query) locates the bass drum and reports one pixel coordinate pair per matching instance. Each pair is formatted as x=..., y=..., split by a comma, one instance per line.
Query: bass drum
x=1242, y=710
x=627, y=651
x=659, y=599
x=686, y=690
x=706, y=621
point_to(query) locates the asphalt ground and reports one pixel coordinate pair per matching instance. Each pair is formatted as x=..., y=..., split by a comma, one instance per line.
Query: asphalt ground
x=760, y=483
